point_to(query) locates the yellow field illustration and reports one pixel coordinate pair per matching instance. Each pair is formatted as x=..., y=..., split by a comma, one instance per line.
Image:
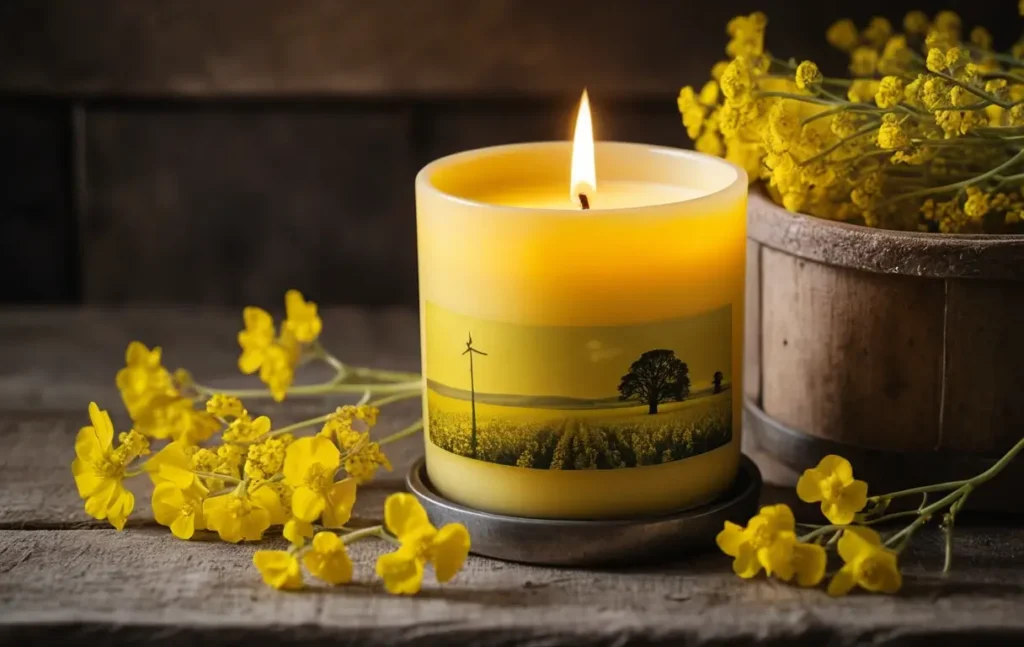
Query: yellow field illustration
x=578, y=397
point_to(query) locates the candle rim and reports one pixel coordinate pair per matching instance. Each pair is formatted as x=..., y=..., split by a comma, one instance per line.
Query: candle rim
x=732, y=189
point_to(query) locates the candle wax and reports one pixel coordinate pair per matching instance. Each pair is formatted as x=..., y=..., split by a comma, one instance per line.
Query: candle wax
x=609, y=195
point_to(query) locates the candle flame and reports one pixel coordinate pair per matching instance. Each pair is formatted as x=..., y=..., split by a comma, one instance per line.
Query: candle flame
x=584, y=177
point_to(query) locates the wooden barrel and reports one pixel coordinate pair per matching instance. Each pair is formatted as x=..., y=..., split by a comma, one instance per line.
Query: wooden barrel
x=903, y=352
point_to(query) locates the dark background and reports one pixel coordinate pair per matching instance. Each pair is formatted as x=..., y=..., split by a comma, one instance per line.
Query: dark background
x=218, y=152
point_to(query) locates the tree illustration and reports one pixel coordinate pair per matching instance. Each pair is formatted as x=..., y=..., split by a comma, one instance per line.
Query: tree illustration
x=718, y=381
x=472, y=391
x=658, y=376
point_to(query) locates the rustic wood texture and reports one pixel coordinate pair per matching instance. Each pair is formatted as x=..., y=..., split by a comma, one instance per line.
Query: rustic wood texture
x=227, y=207
x=65, y=579
x=397, y=47
x=984, y=366
x=37, y=229
x=851, y=356
x=752, y=324
x=885, y=252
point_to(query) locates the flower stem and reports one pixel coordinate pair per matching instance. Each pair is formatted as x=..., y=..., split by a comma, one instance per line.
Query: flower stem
x=363, y=533
x=957, y=185
x=395, y=398
x=399, y=435
x=219, y=477
x=326, y=388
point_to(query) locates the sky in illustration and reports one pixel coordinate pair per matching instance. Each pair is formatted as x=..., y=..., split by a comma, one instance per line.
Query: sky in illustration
x=572, y=361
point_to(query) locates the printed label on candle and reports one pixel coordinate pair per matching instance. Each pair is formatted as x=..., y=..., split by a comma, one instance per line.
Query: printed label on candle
x=578, y=397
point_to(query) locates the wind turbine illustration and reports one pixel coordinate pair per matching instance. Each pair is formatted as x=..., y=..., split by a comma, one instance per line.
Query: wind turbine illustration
x=472, y=389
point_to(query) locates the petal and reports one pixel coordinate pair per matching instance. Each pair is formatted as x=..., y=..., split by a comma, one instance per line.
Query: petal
x=777, y=558
x=279, y=569
x=99, y=501
x=327, y=542
x=403, y=514
x=887, y=573
x=324, y=452
x=254, y=523
x=809, y=561
x=257, y=319
x=86, y=479
x=184, y=526
x=294, y=304
x=87, y=445
x=267, y=499
x=842, y=582
x=450, y=549
x=168, y=501
x=260, y=425
x=136, y=354
x=837, y=465
x=334, y=567
x=307, y=504
x=836, y=513
x=101, y=424
x=401, y=571
x=808, y=488
x=340, y=499
x=855, y=496
x=779, y=516
x=250, y=361
x=297, y=531
x=730, y=539
x=120, y=506
x=746, y=564
x=857, y=541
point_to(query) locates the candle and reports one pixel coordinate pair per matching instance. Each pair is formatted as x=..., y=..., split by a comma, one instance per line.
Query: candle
x=581, y=326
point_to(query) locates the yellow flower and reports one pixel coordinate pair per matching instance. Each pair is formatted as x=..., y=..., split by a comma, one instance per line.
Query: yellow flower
x=692, y=111
x=174, y=417
x=143, y=378
x=891, y=134
x=278, y=368
x=328, y=560
x=936, y=61
x=309, y=466
x=736, y=82
x=225, y=406
x=896, y=56
x=99, y=468
x=752, y=546
x=297, y=532
x=421, y=544
x=980, y=37
x=948, y=22
x=246, y=430
x=890, y=92
x=808, y=75
x=302, y=320
x=257, y=337
x=242, y=514
x=832, y=483
x=274, y=358
x=868, y=564
x=863, y=61
x=709, y=93
x=280, y=569
x=877, y=31
x=710, y=143
x=718, y=69
x=977, y=204
x=172, y=464
x=842, y=35
x=179, y=509
x=844, y=124
x=747, y=35
x=265, y=459
x=916, y=22
x=862, y=90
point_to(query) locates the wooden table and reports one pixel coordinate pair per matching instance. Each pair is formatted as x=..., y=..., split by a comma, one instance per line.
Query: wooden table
x=65, y=578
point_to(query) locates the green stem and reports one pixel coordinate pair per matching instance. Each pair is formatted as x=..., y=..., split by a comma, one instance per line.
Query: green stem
x=818, y=532
x=363, y=533
x=842, y=142
x=384, y=375
x=326, y=388
x=975, y=91
x=395, y=398
x=957, y=185
x=399, y=435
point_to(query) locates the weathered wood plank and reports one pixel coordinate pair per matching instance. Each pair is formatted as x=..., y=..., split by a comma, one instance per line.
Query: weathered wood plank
x=70, y=586
x=752, y=324
x=851, y=356
x=984, y=366
x=225, y=207
x=60, y=359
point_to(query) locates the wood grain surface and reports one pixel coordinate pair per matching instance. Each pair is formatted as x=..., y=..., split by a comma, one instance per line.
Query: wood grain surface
x=67, y=580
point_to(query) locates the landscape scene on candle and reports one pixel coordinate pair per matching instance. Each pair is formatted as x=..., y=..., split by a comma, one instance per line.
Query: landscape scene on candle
x=578, y=397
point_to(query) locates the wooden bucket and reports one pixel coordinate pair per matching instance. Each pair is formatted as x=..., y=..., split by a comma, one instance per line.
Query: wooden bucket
x=903, y=352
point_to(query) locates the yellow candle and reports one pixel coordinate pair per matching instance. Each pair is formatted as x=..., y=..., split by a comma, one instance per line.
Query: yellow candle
x=581, y=363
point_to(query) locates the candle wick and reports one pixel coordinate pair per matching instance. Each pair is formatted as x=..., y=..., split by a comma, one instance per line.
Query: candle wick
x=584, y=201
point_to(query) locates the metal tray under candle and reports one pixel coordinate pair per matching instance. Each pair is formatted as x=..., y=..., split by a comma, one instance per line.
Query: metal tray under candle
x=557, y=542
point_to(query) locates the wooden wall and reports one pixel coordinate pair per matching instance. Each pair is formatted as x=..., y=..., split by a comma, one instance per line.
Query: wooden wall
x=220, y=151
